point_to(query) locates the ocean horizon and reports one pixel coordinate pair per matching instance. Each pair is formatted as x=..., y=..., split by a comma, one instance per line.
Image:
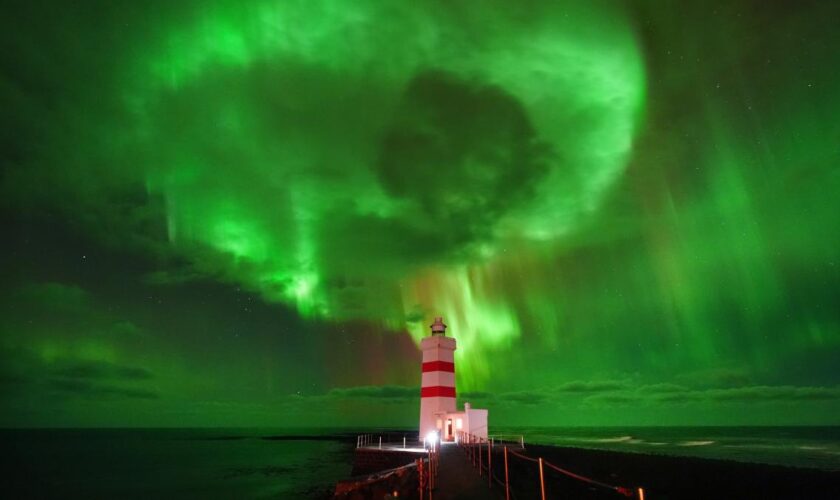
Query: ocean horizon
x=306, y=462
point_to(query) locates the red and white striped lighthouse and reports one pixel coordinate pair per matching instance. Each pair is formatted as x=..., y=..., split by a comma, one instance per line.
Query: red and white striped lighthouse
x=437, y=393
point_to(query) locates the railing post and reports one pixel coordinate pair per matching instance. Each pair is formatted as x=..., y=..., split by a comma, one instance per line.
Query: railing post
x=403, y=442
x=431, y=472
x=489, y=466
x=542, y=480
x=507, y=479
x=522, y=442
x=641, y=494
x=420, y=477
x=479, y=458
x=380, y=442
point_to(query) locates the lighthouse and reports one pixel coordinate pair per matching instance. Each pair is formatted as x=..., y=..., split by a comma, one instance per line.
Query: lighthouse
x=438, y=413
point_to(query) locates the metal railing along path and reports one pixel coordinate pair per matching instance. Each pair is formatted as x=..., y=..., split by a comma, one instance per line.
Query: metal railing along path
x=475, y=446
x=388, y=440
x=427, y=472
x=427, y=467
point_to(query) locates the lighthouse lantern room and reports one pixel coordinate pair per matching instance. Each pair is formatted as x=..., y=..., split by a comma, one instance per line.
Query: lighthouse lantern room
x=438, y=412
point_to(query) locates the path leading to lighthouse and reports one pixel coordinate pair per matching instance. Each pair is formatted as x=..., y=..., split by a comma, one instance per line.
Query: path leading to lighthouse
x=457, y=479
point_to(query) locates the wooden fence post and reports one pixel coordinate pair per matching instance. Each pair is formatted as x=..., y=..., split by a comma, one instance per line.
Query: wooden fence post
x=542, y=480
x=489, y=466
x=507, y=478
x=420, y=476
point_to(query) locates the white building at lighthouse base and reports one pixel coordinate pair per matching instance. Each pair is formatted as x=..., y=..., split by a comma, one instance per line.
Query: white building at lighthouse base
x=472, y=421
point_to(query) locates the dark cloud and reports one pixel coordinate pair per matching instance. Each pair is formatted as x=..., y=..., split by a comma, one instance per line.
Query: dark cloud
x=475, y=395
x=672, y=394
x=25, y=373
x=173, y=276
x=416, y=315
x=717, y=377
x=99, y=370
x=54, y=296
x=87, y=389
x=525, y=397
x=763, y=393
x=608, y=393
x=402, y=394
x=664, y=388
x=617, y=399
x=677, y=397
x=464, y=151
x=384, y=392
x=63, y=310
x=585, y=386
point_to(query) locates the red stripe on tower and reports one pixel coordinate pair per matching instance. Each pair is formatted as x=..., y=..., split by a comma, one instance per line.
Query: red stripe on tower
x=438, y=366
x=437, y=392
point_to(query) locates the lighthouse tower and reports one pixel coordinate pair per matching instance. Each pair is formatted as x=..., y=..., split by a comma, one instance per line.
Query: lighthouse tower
x=437, y=392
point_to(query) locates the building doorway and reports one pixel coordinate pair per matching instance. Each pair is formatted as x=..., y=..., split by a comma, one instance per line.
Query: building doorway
x=449, y=429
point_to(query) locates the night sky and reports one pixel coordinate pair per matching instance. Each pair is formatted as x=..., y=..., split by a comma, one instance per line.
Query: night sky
x=248, y=213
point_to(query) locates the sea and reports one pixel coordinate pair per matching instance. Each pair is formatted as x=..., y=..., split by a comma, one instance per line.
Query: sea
x=306, y=463
x=807, y=447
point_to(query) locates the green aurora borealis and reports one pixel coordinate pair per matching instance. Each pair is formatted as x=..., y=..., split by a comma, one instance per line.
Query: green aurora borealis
x=247, y=213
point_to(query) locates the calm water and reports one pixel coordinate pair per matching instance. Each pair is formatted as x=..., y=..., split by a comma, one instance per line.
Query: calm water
x=226, y=463
x=179, y=463
x=810, y=447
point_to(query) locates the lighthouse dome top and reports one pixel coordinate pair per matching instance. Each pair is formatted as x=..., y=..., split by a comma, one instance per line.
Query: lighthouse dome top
x=438, y=328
